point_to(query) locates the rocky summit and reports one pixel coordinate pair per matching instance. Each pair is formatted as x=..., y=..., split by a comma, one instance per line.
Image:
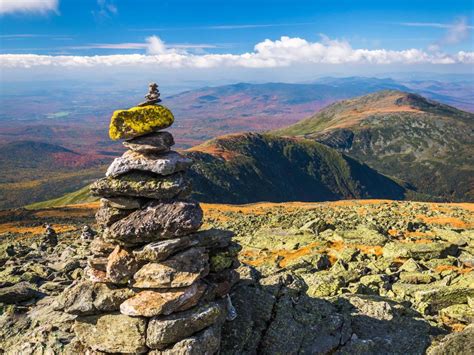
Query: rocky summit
x=346, y=277
x=150, y=264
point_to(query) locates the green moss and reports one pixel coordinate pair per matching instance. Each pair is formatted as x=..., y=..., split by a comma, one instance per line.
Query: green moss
x=137, y=121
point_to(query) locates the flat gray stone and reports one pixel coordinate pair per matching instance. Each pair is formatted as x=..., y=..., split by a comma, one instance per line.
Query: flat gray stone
x=161, y=250
x=141, y=184
x=162, y=164
x=156, y=221
x=157, y=142
x=181, y=270
x=165, y=330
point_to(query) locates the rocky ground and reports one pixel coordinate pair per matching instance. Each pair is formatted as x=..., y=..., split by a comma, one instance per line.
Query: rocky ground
x=358, y=277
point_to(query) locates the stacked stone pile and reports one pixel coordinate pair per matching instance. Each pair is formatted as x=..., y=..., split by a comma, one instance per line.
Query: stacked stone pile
x=154, y=282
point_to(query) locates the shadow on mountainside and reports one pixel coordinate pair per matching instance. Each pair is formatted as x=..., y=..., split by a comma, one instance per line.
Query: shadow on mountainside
x=276, y=316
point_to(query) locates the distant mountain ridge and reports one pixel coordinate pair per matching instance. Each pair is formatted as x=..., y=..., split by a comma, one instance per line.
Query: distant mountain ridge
x=428, y=144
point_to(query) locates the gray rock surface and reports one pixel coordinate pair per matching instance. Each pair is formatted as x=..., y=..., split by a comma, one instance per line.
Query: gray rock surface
x=162, y=164
x=112, y=333
x=161, y=250
x=205, y=342
x=158, y=220
x=158, y=142
x=180, y=270
x=141, y=184
x=165, y=330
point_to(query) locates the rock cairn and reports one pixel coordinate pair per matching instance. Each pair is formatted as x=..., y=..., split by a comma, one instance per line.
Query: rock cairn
x=155, y=282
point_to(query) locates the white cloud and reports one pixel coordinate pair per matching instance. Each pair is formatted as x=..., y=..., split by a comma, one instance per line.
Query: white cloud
x=106, y=9
x=25, y=6
x=456, y=33
x=284, y=52
x=431, y=24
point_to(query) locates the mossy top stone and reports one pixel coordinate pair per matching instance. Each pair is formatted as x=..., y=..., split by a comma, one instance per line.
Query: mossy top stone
x=140, y=120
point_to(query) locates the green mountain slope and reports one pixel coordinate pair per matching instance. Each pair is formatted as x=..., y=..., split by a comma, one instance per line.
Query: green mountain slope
x=428, y=144
x=79, y=196
x=253, y=167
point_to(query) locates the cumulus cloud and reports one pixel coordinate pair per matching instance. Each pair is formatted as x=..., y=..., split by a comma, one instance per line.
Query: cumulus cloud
x=285, y=52
x=28, y=6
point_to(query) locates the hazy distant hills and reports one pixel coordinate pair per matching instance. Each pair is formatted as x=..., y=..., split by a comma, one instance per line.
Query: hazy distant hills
x=34, y=171
x=77, y=117
x=210, y=112
x=428, y=144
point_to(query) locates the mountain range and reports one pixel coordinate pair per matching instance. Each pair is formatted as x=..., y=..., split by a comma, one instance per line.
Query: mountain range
x=390, y=144
x=427, y=144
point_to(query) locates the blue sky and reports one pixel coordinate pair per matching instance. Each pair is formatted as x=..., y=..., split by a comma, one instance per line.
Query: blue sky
x=240, y=35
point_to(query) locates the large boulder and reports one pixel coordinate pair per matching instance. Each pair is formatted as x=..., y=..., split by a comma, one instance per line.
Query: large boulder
x=158, y=220
x=138, y=121
x=419, y=251
x=112, y=333
x=161, y=164
x=461, y=343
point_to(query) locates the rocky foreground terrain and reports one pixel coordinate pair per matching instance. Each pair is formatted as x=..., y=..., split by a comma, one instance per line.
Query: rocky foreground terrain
x=358, y=277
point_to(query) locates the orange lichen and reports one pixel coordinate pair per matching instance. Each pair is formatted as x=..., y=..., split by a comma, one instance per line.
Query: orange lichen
x=460, y=270
x=33, y=230
x=451, y=221
x=455, y=327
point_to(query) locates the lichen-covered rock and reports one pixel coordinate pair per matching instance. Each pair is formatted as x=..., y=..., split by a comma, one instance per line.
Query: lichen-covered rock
x=142, y=184
x=157, y=142
x=416, y=277
x=122, y=202
x=419, y=251
x=158, y=220
x=95, y=275
x=100, y=247
x=455, y=344
x=462, y=313
x=86, y=298
x=121, y=265
x=205, y=342
x=138, y=121
x=150, y=303
x=18, y=293
x=323, y=283
x=165, y=330
x=181, y=270
x=112, y=333
x=161, y=164
x=106, y=215
x=224, y=258
x=364, y=235
x=161, y=250
x=440, y=297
